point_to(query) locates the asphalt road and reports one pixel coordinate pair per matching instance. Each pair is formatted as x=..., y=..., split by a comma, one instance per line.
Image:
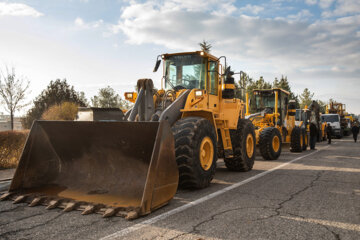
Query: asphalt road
x=309, y=195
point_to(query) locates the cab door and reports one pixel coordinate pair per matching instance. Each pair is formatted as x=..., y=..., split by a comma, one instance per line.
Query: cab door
x=213, y=85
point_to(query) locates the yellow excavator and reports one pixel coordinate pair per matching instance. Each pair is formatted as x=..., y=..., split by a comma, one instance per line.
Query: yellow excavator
x=170, y=137
x=274, y=121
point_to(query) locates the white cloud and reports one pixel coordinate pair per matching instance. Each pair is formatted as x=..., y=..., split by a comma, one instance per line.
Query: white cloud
x=277, y=45
x=18, y=9
x=322, y=3
x=325, y=3
x=343, y=8
x=79, y=22
x=199, y=5
x=253, y=9
x=302, y=15
x=311, y=2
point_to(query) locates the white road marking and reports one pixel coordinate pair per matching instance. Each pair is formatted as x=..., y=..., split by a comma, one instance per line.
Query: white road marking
x=162, y=216
x=342, y=225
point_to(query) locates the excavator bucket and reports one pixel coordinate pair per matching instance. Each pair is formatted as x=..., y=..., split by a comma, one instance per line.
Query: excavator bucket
x=113, y=168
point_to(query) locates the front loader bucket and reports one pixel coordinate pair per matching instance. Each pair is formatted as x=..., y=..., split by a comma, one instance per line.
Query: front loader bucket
x=114, y=168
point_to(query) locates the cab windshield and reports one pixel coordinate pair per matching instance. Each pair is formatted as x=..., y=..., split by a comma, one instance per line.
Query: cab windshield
x=264, y=100
x=330, y=118
x=185, y=71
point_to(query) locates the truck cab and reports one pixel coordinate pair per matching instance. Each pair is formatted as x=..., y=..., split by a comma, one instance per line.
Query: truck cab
x=334, y=121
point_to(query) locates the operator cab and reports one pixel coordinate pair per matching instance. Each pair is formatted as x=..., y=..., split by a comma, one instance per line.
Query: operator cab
x=265, y=101
x=185, y=71
x=192, y=70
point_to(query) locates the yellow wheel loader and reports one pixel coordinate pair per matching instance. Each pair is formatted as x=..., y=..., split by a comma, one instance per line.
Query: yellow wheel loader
x=274, y=121
x=169, y=137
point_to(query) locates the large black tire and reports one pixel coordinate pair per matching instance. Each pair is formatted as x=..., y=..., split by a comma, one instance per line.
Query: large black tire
x=189, y=134
x=241, y=139
x=267, y=136
x=296, y=140
x=305, y=140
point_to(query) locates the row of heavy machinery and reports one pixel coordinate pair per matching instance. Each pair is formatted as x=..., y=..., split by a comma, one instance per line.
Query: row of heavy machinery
x=171, y=137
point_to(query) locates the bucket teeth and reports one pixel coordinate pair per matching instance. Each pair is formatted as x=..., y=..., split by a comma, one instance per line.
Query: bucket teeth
x=89, y=209
x=5, y=196
x=109, y=212
x=19, y=199
x=36, y=201
x=53, y=204
x=69, y=206
x=132, y=215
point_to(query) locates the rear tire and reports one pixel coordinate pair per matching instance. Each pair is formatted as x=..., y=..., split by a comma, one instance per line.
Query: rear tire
x=296, y=140
x=190, y=134
x=243, y=143
x=270, y=143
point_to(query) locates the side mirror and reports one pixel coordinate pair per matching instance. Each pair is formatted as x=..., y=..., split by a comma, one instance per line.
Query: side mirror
x=157, y=65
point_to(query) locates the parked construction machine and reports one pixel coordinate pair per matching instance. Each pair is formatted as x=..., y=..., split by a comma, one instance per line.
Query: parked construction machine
x=274, y=123
x=302, y=118
x=170, y=137
x=339, y=108
x=315, y=118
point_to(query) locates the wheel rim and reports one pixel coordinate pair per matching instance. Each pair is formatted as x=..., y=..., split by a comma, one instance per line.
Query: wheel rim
x=250, y=145
x=276, y=143
x=206, y=153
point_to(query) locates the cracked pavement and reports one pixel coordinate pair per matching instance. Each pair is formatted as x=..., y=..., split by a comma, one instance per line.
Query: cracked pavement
x=316, y=197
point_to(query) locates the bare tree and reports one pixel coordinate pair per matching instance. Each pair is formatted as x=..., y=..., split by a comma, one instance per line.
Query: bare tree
x=12, y=92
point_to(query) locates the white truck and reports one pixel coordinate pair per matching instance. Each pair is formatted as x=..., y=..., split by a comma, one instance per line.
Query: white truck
x=334, y=120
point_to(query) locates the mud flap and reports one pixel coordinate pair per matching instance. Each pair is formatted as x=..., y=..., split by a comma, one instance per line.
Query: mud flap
x=114, y=168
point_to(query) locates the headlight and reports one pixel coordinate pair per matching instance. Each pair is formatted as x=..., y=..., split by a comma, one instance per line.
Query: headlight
x=198, y=93
x=128, y=95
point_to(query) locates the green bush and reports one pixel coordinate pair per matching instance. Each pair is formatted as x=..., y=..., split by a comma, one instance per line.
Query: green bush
x=11, y=146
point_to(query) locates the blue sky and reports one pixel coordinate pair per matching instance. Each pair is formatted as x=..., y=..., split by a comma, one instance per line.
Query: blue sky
x=315, y=43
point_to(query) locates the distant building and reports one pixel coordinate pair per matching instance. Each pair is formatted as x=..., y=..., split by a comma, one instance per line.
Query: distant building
x=5, y=123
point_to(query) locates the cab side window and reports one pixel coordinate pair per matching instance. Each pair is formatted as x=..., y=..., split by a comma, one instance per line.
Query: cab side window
x=213, y=67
